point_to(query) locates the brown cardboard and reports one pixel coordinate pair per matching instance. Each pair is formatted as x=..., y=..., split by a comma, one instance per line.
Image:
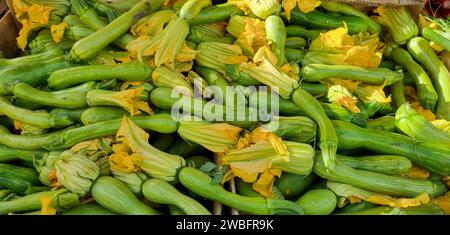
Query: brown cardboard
x=8, y=35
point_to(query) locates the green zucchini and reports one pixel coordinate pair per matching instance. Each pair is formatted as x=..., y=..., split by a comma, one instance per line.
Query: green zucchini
x=292, y=185
x=364, y=205
x=294, y=55
x=433, y=157
x=30, y=142
x=384, y=123
x=162, y=141
x=91, y=208
x=215, y=13
x=101, y=114
x=191, y=8
x=89, y=46
x=20, y=180
x=295, y=42
x=385, y=164
x=161, y=192
x=377, y=182
x=116, y=197
x=8, y=154
x=318, y=202
x=65, y=78
x=62, y=199
x=162, y=123
x=374, y=76
x=438, y=36
x=300, y=31
x=440, y=76
x=72, y=98
x=201, y=184
x=425, y=90
x=320, y=20
x=276, y=34
x=33, y=74
x=340, y=7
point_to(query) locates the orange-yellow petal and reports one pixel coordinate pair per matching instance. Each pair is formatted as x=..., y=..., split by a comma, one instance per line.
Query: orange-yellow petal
x=417, y=173
x=443, y=202
x=265, y=182
x=399, y=202
x=46, y=208
x=308, y=5
x=58, y=31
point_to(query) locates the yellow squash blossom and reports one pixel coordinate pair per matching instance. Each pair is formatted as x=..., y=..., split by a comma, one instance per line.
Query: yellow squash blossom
x=129, y=100
x=241, y=4
x=216, y=55
x=263, y=8
x=31, y=17
x=338, y=47
x=58, y=31
x=268, y=74
x=370, y=93
x=216, y=137
x=46, y=208
x=133, y=153
x=304, y=6
x=443, y=202
x=152, y=24
x=340, y=95
x=165, y=46
x=265, y=182
x=417, y=173
x=253, y=37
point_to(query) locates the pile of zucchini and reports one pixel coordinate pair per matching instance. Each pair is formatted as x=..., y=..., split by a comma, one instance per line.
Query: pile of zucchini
x=362, y=113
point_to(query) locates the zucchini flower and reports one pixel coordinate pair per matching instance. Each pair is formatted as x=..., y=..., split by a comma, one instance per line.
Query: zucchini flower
x=133, y=180
x=34, y=15
x=165, y=46
x=399, y=22
x=352, y=192
x=265, y=157
x=97, y=150
x=57, y=31
x=133, y=153
x=249, y=32
x=443, y=202
x=76, y=172
x=304, y=6
x=46, y=170
x=111, y=58
x=373, y=97
x=337, y=47
x=164, y=77
x=340, y=95
x=25, y=128
x=130, y=100
x=269, y=75
x=263, y=8
x=297, y=128
x=216, y=55
x=216, y=137
x=152, y=24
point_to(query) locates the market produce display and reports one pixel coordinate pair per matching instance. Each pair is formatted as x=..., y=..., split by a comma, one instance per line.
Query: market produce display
x=201, y=107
